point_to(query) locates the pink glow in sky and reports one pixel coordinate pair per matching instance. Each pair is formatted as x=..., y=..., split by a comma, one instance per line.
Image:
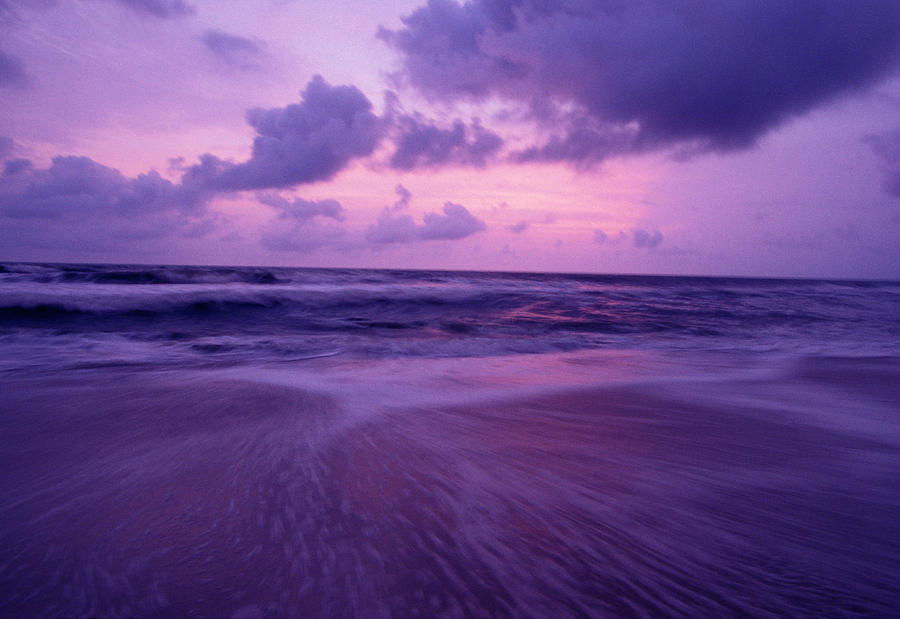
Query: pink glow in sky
x=731, y=138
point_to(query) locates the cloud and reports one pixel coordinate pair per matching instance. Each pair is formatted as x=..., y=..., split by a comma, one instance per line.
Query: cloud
x=456, y=222
x=9, y=10
x=299, y=225
x=602, y=238
x=235, y=51
x=647, y=240
x=12, y=72
x=164, y=9
x=390, y=228
x=603, y=78
x=405, y=197
x=887, y=147
x=301, y=143
x=77, y=204
x=584, y=141
x=106, y=240
x=422, y=144
x=302, y=210
x=78, y=187
x=300, y=235
x=16, y=166
x=519, y=227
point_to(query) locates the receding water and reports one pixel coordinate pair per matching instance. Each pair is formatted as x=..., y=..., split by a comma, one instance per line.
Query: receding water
x=286, y=442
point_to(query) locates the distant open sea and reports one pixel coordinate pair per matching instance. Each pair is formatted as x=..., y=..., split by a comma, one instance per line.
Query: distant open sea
x=255, y=442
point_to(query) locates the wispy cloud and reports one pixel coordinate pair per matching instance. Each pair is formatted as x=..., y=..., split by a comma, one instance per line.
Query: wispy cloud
x=12, y=72
x=234, y=51
x=165, y=9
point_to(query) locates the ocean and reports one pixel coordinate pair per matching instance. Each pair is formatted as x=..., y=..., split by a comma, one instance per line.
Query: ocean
x=256, y=442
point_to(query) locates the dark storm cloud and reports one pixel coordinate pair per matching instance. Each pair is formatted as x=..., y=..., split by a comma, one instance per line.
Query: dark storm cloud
x=12, y=71
x=78, y=187
x=887, y=147
x=302, y=210
x=456, y=222
x=421, y=143
x=608, y=77
x=301, y=143
x=164, y=9
x=235, y=51
x=647, y=240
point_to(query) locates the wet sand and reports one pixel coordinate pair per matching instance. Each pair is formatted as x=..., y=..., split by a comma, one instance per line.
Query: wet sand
x=129, y=493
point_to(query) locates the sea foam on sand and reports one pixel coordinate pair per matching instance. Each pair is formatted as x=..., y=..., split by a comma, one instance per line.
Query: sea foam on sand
x=539, y=485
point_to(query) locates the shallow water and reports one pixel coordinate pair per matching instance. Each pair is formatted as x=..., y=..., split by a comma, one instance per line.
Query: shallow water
x=674, y=475
x=245, y=492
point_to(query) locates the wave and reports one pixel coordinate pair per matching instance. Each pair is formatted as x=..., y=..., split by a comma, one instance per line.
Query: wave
x=391, y=313
x=461, y=309
x=125, y=275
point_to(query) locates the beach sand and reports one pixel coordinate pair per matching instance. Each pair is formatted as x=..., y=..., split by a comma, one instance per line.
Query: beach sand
x=132, y=493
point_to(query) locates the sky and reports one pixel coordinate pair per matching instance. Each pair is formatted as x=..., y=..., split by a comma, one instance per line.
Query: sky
x=746, y=138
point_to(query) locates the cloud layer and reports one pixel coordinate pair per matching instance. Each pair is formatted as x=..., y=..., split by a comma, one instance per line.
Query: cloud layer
x=610, y=77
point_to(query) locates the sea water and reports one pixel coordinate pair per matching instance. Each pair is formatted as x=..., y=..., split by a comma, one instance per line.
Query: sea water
x=272, y=441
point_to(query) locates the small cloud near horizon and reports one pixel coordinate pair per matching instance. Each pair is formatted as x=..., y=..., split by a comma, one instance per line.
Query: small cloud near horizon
x=455, y=222
x=647, y=240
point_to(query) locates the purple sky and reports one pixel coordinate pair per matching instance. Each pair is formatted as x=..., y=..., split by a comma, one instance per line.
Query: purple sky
x=689, y=137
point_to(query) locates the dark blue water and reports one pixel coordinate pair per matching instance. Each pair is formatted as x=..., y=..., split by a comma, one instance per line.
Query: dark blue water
x=88, y=313
x=255, y=442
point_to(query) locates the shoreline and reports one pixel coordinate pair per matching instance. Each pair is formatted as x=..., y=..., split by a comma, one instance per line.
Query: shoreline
x=140, y=493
